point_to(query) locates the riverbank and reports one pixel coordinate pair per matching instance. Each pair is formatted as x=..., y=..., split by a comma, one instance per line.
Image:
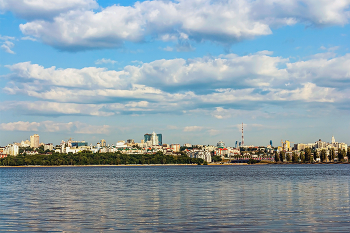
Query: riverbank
x=128, y=165
x=158, y=165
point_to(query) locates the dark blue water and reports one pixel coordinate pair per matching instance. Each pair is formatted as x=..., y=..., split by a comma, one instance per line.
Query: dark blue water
x=270, y=198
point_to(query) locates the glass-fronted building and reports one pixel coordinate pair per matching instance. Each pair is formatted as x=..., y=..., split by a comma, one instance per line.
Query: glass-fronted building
x=148, y=137
x=78, y=144
x=160, y=139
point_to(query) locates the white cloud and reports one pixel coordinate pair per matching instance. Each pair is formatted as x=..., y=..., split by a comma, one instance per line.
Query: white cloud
x=7, y=37
x=226, y=22
x=193, y=128
x=44, y=9
x=51, y=126
x=105, y=61
x=7, y=46
x=227, y=85
x=28, y=38
x=54, y=108
x=20, y=126
x=168, y=49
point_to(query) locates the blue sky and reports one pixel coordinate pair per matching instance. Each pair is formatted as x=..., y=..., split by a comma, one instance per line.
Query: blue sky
x=192, y=70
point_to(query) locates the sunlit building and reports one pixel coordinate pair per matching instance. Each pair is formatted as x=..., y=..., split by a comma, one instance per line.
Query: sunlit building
x=34, y=141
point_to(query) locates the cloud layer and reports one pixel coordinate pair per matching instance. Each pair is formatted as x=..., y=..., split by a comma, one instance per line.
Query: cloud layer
x=81, y=24
x=51, y=126
x=224, y=86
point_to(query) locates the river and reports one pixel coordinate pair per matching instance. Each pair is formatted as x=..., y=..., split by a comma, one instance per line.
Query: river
x=257, y=198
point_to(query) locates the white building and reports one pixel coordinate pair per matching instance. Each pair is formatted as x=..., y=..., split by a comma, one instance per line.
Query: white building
x=48, y=146
x=154, y=139
x=11, y=149
x=199, y=154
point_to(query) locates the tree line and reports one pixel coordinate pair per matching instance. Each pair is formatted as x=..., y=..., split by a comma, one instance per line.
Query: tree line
x=88, y=158
x=309, y=156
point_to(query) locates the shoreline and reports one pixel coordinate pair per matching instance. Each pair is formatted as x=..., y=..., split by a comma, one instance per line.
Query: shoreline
x=159, y=165
x=125, y=165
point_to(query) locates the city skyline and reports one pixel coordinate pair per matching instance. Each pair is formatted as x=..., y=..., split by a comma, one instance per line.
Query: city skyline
x=190, y=70
x=34, y=142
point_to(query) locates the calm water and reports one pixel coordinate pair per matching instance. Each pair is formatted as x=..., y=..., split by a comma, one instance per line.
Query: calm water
x=312, y=198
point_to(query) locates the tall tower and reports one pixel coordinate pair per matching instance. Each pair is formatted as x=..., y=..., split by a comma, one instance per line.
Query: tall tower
x=242, y=136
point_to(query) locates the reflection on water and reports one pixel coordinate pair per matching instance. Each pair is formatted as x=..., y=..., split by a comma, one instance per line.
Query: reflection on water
x=176, y=198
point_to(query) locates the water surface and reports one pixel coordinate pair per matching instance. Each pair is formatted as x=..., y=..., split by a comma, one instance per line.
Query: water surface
x=269, y=198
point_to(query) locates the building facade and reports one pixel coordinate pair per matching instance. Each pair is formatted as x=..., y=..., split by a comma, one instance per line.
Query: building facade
x=34, y=141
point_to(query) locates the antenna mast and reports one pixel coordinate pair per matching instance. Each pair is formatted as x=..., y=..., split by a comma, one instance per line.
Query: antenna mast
x=242, y=136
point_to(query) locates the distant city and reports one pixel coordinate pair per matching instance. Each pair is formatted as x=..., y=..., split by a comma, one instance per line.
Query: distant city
x=153, y=143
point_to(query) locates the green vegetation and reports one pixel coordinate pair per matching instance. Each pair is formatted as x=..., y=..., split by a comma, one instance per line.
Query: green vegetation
x=323, y=156
x=216, y=158
x=87, y=158
x=341, y=155
x=253, y=161
x=282, y=156
x=295, y=158
x=308, y=157
x=277, y=158
x=331, y=155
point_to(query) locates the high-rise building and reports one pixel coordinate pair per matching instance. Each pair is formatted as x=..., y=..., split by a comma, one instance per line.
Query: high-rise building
x=157, y=137
x=103, y=143
x=220, y=144
x=160, y=139
x=154, y=139
x=34, y=141
x=236, y=144
x=333, y=140
x=147, y=137
x=271, y=143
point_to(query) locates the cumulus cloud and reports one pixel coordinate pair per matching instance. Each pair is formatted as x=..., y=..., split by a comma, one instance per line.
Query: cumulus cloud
x=51, y=126
x=224, y=86
x=20, y=126
x=47, y=9
x=75, y=26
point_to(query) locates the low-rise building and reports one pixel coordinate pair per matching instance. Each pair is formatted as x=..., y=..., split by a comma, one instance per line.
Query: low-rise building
x=199, y=154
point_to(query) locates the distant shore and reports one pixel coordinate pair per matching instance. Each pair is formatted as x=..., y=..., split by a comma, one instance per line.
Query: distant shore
x=132, y=165
x=159, y=165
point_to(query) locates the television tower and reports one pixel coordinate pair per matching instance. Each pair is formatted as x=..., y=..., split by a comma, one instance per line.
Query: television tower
x=242, y=136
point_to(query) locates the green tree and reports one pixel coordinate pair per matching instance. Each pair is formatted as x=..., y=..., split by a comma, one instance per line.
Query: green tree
x=282, y=156
x=315, y=154
x=308, y=156
x=323, y=156
x=331, y=155
x=277, y=158
x=216, y=158
x=341, y=155
x=302, y=156
x=288, y=157
x=295, y=158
